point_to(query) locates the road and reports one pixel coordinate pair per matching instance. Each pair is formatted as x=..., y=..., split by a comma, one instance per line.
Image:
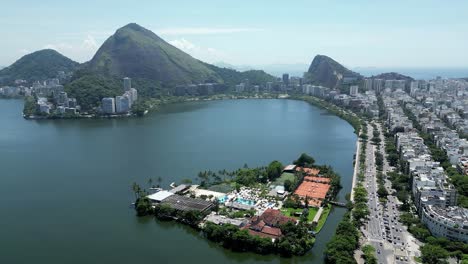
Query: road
x=383, y=230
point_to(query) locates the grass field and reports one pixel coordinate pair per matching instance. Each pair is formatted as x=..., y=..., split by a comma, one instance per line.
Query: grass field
x=285, y=176
x=291, y=212
x=323, y=218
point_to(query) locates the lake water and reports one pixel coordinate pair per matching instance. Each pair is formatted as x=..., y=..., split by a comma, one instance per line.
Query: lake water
x=65, y=185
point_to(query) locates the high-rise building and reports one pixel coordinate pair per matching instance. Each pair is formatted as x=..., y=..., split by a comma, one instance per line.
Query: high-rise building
x=353, y=90
x=368, y=84
x=389, y=84
x=127, y=83
x=399, y=84
x=122, y=104
x=134, y=94
x=108, y=105
x=377, y=85
x=286, y=79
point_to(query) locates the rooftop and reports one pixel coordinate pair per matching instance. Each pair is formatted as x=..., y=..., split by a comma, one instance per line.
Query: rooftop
x=184, y=203
x=159, y=196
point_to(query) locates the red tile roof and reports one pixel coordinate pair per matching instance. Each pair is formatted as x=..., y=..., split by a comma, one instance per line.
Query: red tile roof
x=274, y=217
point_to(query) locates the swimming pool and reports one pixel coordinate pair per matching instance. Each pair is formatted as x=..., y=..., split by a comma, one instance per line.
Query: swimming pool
x=245, y=201
x=223, y=199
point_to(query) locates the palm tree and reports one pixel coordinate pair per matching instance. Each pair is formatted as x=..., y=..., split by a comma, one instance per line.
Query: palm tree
x=150, y=181
x=136, y=190
x=159, y=181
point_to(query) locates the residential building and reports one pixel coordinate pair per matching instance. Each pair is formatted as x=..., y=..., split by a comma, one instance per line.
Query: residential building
x=353, y=90
x=108, y=105
x=127, y=83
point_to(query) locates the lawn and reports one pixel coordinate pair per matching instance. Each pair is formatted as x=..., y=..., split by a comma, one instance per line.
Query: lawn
x=323, y=218
x=291, y=212
x=285, y=176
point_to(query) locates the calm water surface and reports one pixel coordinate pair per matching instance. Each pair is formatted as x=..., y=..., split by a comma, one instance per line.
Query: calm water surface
x=65, y=186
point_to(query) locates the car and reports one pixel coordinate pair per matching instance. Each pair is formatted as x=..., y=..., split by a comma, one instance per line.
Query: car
x=381, y=244
x=397, y=258
x=378, y=251
x=406, y=258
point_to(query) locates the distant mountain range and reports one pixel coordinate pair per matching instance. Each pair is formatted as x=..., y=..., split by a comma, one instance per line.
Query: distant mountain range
x=156, y=68
x=39, y=65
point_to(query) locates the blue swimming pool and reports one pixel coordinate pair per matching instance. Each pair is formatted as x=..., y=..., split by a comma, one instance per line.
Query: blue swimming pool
x=223, y=199
x=245, y=201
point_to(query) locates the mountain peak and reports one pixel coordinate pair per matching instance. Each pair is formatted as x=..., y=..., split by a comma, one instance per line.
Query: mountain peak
x=137, y=52
x=327, y=72
x=39, y=65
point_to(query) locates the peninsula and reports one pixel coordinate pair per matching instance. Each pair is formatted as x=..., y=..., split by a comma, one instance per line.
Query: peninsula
x=273, y=209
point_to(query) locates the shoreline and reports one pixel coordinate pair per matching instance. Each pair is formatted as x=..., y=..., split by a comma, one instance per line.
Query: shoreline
x=356, y=168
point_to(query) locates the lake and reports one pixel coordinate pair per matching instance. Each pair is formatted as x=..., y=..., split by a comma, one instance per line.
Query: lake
x=65, y=185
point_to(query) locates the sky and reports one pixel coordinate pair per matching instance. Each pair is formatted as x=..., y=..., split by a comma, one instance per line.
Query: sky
x=356, y=33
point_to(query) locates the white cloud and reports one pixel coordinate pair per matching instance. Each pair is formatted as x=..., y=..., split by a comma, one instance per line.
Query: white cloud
x=24, y=51
x=76, y=51
x=207, y=54
x=90, y=43
x=203, y=30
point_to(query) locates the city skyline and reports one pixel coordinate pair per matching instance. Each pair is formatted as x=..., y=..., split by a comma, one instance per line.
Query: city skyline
x=358, y=34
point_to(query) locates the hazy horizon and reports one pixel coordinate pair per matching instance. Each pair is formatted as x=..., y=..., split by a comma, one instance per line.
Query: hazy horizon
x=356, y=34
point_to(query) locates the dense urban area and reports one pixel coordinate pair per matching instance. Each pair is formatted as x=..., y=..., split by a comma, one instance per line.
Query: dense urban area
x=409, y=197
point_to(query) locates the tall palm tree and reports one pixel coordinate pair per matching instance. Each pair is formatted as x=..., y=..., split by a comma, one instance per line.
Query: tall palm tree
x=159, y=181
x=150, y=181
x=135, y=189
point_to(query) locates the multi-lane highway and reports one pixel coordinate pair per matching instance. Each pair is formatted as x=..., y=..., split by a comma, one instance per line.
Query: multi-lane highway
x=383, y=230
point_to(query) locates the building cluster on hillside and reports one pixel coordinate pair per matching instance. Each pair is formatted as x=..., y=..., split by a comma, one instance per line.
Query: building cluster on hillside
x=284, y=84
x=60, y=101
x=15, y=91
x=200, y=89
x=121, y=104
x=434, y=196
x=20, y=87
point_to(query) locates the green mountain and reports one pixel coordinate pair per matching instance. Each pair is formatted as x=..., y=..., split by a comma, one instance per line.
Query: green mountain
x=232, y=77
x=155, y=66
x=393, y=76
x=136, y=52
x=327, y=72
x=39, y=65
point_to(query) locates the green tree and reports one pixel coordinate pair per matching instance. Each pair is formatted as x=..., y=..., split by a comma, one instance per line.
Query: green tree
x=433, y=254
x=274, y=170
x=304, y=161
x=288, y=185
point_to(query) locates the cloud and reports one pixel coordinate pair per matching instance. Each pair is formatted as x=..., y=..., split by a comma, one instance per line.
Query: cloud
x=90, y=43
x=207, y=54
x=203, y=30
x=24, y=51
x=80, y=51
